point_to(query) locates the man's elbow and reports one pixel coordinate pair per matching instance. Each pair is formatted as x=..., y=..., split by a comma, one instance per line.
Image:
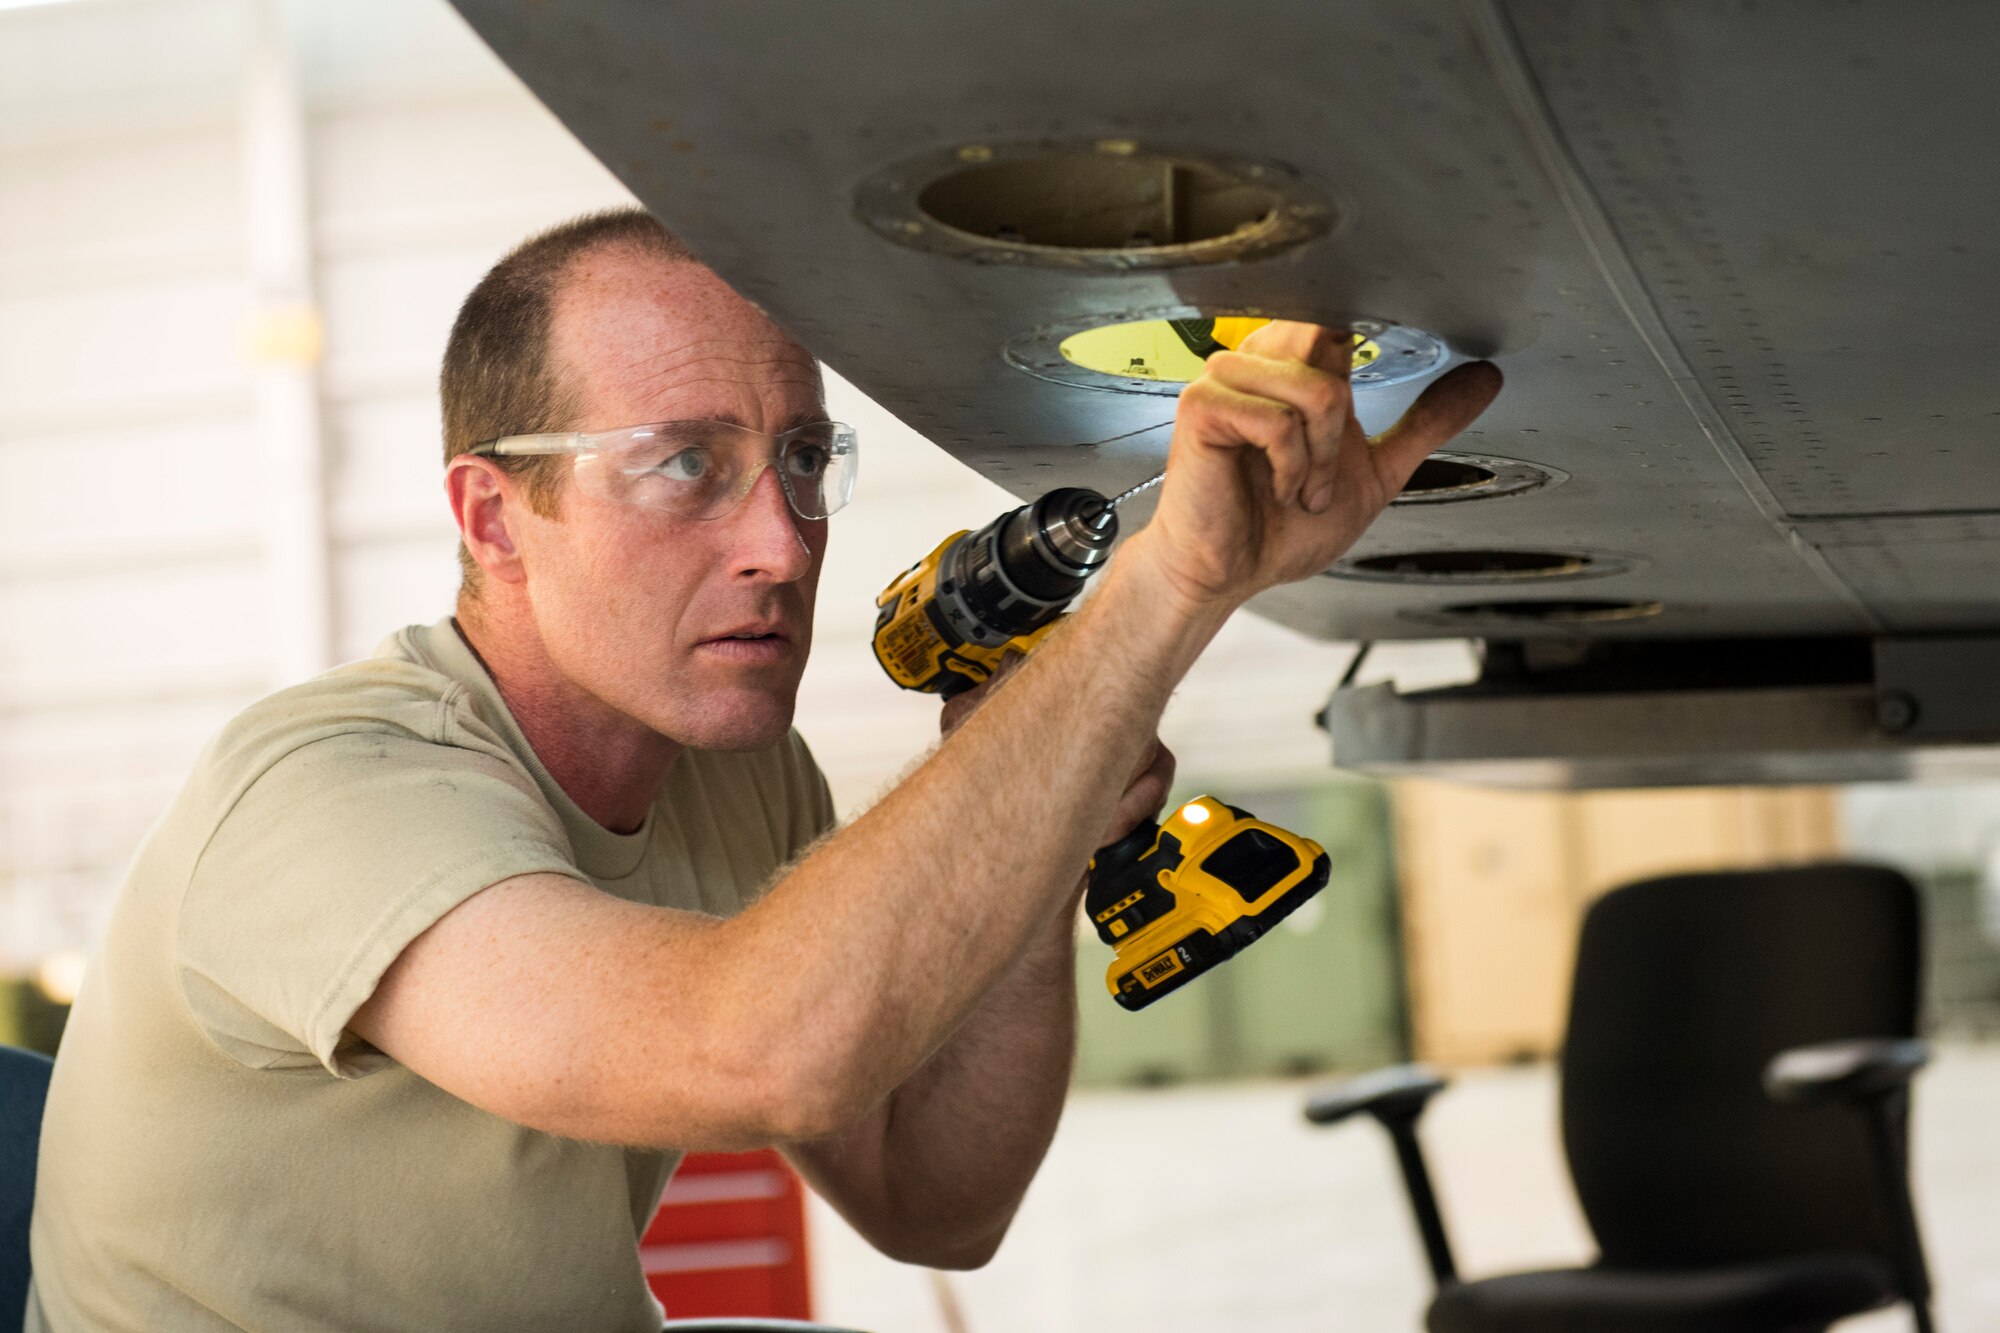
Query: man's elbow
x=937, y=1247
x=803, y=1100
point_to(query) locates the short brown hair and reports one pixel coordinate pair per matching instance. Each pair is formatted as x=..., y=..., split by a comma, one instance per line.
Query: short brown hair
x=498, y=377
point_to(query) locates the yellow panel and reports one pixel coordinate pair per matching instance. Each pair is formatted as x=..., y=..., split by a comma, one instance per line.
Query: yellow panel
x=1149, y=349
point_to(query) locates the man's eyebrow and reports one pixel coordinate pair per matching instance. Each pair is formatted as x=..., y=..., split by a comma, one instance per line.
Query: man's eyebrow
x=808, y=417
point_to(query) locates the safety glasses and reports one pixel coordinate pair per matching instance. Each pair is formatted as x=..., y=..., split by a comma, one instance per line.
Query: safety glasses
x=702, y=469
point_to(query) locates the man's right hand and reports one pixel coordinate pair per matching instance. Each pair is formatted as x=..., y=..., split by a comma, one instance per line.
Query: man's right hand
x=1270, y=477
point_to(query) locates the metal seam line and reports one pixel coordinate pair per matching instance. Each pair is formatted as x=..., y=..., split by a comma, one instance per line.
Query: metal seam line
x=1496, y=39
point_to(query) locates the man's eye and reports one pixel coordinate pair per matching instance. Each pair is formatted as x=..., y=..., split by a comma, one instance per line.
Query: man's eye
x=808, y=460
x=687, y=465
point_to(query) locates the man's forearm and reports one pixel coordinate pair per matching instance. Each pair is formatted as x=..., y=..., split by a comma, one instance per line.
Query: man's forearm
x=968, y=1133
x=934, y=1177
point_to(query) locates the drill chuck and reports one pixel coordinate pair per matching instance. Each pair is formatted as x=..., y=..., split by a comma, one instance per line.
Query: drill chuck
x=1022, y=570
x=944, y=625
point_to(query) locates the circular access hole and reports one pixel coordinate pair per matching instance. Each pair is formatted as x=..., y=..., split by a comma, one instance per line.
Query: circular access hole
x=1557, y=611
x=1111, y=204
x=1173, y=351
x=1158, y=350
x=1446, y=478
x=1477, y=566
x=1098, y=201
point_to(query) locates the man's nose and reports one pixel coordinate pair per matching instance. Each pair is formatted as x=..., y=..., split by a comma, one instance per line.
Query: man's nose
x=765, y=538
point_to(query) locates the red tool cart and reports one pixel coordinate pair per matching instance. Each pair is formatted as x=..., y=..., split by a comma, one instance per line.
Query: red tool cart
x=730, y=1239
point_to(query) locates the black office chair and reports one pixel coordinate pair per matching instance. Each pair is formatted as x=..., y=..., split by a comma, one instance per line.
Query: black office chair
x=1735, y=1103
x=24, y=1086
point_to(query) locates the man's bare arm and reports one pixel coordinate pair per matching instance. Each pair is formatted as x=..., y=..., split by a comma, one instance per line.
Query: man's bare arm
x=556, y=1006
x=935, y=1175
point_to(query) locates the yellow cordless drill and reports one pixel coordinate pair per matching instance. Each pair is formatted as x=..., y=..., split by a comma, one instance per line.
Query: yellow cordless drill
x=1172, y=900
x=947, y=622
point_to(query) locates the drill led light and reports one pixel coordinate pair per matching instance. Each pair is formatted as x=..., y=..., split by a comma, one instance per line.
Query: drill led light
x=1194, y=813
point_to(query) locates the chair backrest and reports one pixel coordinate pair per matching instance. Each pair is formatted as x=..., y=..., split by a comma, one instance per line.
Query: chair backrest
x=1685, y=988
x=24, y=1086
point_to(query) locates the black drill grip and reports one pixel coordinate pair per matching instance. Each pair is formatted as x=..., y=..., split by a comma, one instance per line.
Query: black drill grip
x=1124, y=885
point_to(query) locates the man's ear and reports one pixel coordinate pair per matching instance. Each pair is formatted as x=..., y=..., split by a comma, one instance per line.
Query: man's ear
x=483, y=498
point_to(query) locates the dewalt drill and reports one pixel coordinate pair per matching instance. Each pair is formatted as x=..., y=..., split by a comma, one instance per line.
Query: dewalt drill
x=1172, y=900
x=947, y=622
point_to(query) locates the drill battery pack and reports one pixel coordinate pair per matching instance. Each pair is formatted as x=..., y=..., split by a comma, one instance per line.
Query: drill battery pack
x=1175, y=899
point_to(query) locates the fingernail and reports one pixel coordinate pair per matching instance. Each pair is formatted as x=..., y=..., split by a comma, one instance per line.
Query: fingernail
x=1321, y=498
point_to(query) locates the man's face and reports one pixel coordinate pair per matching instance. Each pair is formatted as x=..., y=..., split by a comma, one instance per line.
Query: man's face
x=643, y=609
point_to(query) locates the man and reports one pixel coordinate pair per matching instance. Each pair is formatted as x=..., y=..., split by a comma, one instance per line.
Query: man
x=414, y=997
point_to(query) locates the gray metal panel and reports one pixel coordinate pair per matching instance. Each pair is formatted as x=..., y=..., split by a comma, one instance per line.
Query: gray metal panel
x=1659, y=739
x=1807, y=190
x=1736, y=260
x=1927, y=571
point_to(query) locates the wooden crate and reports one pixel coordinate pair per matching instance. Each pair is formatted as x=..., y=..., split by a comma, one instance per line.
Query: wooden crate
x=1494, y=884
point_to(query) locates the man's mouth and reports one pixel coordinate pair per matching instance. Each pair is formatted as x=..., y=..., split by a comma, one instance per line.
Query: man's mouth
x=751, y=644
x=751, y=635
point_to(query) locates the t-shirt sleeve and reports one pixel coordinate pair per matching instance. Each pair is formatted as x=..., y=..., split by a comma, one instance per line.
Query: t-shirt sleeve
x=811, y=806
x=324, y=869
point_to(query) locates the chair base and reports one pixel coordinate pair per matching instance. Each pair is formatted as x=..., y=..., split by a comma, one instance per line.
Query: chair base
x=1795, y=1295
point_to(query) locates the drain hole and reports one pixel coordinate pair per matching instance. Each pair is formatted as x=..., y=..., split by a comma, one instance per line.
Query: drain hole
x=1453, y=478
x=1436, y=476
x=1098, y=201
x=1561, y=612
x=1470, y=566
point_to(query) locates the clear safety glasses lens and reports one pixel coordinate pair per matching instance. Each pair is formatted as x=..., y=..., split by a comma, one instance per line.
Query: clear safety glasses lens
x=704, y=469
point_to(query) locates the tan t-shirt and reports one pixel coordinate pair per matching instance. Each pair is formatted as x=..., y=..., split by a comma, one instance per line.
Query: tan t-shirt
x=220, y=1153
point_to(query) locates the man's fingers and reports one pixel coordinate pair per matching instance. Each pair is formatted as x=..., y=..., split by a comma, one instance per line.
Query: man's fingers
x=960, y=705
x=1453, y=402
x=1218, y=416
x=1158, y=764
x=1145, y=794
x=1330, y=349
x=1323, y=401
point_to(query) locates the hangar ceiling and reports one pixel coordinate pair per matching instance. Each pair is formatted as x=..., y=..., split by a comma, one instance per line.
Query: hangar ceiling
x=1737, y=260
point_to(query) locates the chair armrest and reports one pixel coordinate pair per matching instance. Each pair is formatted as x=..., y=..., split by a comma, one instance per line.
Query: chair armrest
x=1396, y=1097
x=1844, y=1071
x=1871, y=1077
x=1399, y=1093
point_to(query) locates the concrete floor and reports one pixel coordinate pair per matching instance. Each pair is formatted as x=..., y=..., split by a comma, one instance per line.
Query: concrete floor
x=1204, y=1209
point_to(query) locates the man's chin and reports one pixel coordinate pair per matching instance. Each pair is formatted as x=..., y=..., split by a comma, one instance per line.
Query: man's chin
x=755, y=722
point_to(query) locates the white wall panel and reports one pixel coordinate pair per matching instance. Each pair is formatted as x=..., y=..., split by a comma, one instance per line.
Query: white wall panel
x=132, y=352
x=114, y=209
x=130, y=495
x=117, y=66
x=387, y=316
x=129, y=631
x=486, y=170
x=387, y=471
x=384, y=585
